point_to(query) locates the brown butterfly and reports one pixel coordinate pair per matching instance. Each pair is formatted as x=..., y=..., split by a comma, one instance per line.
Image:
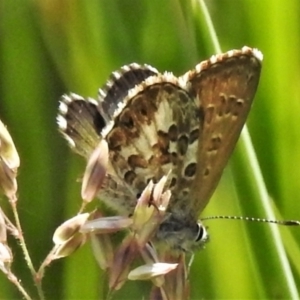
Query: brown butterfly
x=157, y=123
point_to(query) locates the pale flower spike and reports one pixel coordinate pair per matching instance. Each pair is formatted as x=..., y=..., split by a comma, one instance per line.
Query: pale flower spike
x=143, y=211
x=8, y=151
x=106, y=224
x=70, y=246
x=95, y=171
x=150, y=211
x=150, y=271
x=3, y=228
x=9, y=163
x=102, y=249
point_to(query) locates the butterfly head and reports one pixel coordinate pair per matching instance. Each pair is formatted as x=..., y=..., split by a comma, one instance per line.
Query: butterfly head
x=182, y=235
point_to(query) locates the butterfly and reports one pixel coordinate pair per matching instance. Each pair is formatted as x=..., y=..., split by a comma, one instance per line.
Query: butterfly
x=155, y=123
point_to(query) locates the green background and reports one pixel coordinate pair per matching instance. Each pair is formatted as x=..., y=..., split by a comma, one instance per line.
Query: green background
x=51, y=47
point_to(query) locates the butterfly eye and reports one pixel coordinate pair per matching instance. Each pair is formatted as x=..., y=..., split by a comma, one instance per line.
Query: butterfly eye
x=202, y=234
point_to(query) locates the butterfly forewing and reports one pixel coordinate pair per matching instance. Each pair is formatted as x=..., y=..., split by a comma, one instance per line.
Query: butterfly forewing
x=224, y=88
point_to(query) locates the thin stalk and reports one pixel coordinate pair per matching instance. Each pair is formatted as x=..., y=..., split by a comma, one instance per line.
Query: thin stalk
x=28, y=260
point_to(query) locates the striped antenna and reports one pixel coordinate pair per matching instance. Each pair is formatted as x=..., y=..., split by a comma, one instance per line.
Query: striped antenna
x=249, y=219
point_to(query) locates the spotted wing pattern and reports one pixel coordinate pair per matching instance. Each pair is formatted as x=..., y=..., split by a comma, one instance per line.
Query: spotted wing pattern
x=155, y=132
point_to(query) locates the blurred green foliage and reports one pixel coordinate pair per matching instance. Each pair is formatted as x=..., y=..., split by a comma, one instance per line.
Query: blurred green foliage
x=51, y=47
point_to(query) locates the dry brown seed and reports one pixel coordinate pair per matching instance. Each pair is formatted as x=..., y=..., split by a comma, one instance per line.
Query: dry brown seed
x=123, y=258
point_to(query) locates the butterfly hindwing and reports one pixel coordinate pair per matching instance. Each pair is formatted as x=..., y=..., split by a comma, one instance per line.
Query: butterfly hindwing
x=81, y=123
x=111, y=96
x=152, y=136
x=224, y=87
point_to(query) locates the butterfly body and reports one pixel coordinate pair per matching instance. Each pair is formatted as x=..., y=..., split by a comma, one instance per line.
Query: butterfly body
x=157, y=123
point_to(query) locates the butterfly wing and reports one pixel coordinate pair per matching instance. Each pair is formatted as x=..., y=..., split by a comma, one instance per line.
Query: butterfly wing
x=223, y=87
x=151, y=135
x=113, y=93
x=81, y=121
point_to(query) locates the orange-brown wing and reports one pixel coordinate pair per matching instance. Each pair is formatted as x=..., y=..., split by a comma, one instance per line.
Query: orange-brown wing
x=223, y=87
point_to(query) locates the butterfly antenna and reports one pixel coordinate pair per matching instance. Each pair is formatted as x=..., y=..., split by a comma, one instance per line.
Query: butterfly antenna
x=249, y=219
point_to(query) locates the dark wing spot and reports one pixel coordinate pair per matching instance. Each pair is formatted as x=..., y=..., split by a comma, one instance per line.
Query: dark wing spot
x=231, y=103
x=215, y=143
x=173, y=133
x=129, y=177
x=144, y=108
x=222, y=106
x=206, y=172
x=153, y=91
x=173, y=182
x=174, y=158
x=237, y=107
x=126, y=119
x=159, y=160
x=163, y=140
x=116, y=139
x=139, y=105
x=183, y=142
x=209, y=113
x=190, y=170
x=184, y=98
x=168, y=88
x=200, y=115
x=194, y=135
x=137, y=161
